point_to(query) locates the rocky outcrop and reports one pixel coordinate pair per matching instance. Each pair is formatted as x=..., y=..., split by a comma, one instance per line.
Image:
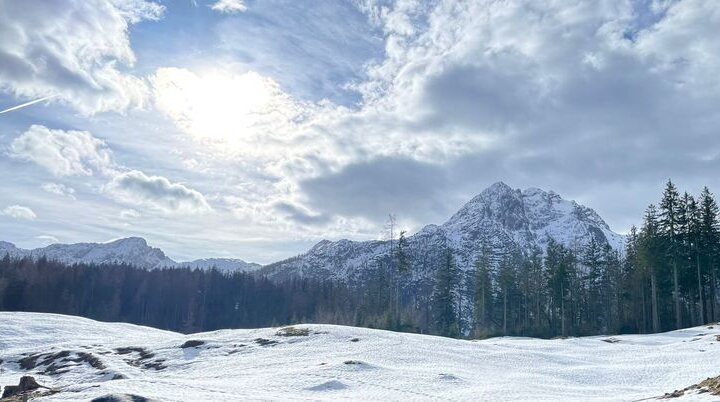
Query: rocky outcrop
x=27, y=385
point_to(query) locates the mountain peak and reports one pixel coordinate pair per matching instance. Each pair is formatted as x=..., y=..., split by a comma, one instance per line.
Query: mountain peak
x=498, y=187
x=129, y=241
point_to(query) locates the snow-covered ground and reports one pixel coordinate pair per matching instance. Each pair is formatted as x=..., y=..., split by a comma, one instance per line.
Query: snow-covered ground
x=345, y=362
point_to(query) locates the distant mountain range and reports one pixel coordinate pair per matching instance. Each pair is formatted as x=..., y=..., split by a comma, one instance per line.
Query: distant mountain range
x=504, y=219
x=131, y=250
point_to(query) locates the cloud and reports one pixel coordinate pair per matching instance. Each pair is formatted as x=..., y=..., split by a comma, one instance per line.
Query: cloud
x=79, y=153
x=62, y=153
x=47, y=239
x=137, y=188
x=229, y=6
x=75, y=50
x=59, y=189
x=375, y=188
x=129, y=214
x=298, y=214
x=19, y=212
x=573, y=96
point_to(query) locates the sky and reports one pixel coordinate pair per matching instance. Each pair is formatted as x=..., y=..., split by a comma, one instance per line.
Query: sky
x=254, y=129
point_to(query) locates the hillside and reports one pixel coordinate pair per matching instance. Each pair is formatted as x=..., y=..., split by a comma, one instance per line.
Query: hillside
x=84, y=359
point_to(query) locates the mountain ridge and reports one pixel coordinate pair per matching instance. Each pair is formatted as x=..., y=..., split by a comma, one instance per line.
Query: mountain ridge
x=130, y=250
x=506, y=219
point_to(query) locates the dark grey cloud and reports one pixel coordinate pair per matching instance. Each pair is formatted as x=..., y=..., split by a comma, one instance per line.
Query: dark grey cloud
x=375, y=188
x=299, y=215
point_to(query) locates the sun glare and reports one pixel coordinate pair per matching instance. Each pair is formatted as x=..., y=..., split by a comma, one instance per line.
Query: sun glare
x=219, y=105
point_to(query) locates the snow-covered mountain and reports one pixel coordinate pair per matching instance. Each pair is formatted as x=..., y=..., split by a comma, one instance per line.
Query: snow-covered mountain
x=504, y=219
x=131, y=250
x=222, y=264
x=80, y=360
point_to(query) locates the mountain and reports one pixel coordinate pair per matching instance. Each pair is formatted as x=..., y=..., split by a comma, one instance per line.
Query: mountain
x=131, y=250
x=222, y=264
x=506, y=220
x=81, y=359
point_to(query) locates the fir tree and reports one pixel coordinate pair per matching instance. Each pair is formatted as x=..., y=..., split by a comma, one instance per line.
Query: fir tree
x=482, y=289
x=669, y=211
x=444, y=312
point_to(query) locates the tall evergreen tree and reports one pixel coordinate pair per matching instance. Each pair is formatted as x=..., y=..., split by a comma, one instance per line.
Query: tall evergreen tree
x=669, y=211
x=709, y=245
x=444, y=311
x=482, y=289
x=693, y=236
x=507, y=279
x=649, y=250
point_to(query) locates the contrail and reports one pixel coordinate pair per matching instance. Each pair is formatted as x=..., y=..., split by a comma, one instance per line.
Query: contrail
x=28, y=104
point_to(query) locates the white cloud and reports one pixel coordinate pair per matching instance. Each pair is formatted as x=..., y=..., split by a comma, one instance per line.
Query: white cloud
x=18, y=212
x=129, y=214
x=68, y=153
x=229, y=6
x=47, y=239
x=73, y=49
x=59, y=189
x=137, y=188
x=62, y=153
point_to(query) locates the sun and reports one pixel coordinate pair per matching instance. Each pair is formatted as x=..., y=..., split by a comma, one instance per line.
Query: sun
x=221, y=105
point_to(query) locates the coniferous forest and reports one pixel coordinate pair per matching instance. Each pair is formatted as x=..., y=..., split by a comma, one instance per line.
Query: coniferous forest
x=665, y=278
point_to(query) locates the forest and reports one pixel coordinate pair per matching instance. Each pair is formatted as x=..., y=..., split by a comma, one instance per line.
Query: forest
x=665, y=278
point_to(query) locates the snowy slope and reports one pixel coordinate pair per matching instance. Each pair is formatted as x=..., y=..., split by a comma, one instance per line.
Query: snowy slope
x=335, y=362
x=131, y=250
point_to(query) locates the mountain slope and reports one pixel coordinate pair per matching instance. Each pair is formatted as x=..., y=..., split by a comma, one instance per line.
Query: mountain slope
x=504, y=219
x=131, y=250
x=85, y=359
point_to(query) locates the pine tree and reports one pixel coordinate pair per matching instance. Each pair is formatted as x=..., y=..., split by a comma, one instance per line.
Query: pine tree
x=592, y=260
x=610, y=288
x=537, y=284
x=444, y=312
x=693, y=237
x=482, y=289
x=401, y=254
x=709, y=245
x=507, y=279
x=560, y=267
x=633, y=313
x=648, y=251
x=402, y=265
x=669, y=210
